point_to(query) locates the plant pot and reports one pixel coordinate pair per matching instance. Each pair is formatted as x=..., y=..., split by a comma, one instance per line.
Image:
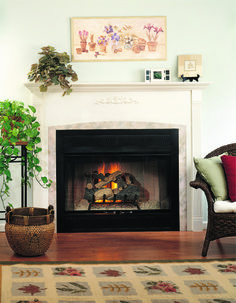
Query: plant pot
x=29, y=230
x=83, y=46
x=136, y=49
x=92, y=46
x=152, y=46
x=142, y=44
x=79, y=51
x=103, y=48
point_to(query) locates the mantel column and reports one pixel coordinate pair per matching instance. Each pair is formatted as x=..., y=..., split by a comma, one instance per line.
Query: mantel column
x=196, y=196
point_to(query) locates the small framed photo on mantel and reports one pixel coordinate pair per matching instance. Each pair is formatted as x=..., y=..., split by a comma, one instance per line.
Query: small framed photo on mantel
x=189, y=65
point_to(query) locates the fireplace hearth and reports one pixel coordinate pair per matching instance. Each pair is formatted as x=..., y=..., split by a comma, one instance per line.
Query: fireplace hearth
x=117, y=180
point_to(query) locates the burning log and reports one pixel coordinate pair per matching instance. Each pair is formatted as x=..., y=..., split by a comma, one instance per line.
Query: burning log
x=128, y=179
x=97, y=192
x=101, y=192
x=129, y=193
x=89, y=183
x=91, y=179
x=108, y=179
x=120, y=183
x=89, y=194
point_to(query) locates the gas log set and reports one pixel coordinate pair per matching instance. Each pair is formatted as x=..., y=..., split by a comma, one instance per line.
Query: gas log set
x=112, y=188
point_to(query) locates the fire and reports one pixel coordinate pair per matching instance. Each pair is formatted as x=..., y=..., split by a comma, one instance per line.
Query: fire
x=111, y=168
x=101, y=169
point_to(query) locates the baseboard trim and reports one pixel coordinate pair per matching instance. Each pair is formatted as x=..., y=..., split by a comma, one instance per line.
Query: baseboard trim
x=204, y=224
x=2, y=227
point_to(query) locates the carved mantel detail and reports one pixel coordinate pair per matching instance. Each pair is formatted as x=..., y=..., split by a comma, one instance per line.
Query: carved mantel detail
x=116, y=100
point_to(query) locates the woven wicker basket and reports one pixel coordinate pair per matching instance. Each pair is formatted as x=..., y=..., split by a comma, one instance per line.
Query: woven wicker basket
x=29, y=230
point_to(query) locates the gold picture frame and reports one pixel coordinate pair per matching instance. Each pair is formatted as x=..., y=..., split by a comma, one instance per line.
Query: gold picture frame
x=189, y=65
x=118, y=38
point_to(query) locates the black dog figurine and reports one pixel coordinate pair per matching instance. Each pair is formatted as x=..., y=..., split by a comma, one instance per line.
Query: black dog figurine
x=190, y=78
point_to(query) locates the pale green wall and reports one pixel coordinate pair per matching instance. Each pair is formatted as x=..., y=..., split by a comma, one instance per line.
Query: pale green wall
x=204, y=27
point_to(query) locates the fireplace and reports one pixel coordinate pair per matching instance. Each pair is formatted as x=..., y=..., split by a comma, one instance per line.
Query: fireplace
x=117, y=180
x=124, y=105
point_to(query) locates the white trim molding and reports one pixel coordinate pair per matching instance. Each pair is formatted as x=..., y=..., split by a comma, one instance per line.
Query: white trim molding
x=123, y=86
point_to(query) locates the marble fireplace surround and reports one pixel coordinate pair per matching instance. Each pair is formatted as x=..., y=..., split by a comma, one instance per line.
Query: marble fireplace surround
x=125, y=106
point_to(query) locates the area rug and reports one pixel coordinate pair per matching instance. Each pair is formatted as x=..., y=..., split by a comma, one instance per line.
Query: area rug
x=149, y=282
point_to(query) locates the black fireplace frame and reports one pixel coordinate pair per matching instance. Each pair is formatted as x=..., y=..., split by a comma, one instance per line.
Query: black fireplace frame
x=159, y=142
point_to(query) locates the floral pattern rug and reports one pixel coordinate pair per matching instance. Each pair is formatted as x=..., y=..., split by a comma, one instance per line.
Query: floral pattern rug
x=150, y=282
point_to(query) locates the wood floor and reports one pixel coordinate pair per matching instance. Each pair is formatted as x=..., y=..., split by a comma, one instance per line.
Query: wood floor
x=125, y=246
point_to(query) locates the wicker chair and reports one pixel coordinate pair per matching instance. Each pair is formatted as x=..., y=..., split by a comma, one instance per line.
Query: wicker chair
x=219, y=224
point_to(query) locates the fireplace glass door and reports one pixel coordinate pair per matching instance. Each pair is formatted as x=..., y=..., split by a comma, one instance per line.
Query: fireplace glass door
x=117, y=180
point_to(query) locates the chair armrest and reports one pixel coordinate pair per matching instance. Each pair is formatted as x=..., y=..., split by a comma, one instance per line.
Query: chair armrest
x=199, y=183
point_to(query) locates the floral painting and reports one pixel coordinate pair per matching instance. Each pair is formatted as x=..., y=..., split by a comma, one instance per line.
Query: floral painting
x=118, y=38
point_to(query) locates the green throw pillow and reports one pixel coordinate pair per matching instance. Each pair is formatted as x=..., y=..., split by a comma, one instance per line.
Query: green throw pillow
x=212, y=171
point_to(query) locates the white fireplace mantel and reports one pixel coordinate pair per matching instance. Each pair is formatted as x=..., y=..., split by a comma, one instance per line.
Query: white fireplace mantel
x=125, y=105
x=124, y=86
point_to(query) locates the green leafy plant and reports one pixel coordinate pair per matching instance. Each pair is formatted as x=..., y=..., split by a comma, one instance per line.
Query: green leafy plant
x=53, y=68
x=18, y=125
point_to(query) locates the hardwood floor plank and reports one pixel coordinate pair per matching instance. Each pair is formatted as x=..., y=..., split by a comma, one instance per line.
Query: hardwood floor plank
x=125, y=246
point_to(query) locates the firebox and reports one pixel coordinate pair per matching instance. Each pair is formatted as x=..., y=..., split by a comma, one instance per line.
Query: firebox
x=117, y=180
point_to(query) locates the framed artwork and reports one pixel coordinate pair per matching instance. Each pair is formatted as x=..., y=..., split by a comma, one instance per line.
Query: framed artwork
x=189, y=65
x=118, y=38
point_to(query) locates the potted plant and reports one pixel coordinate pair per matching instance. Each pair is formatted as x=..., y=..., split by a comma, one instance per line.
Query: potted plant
x=18, y=126
x=102, y=42
x=92, y=44
x=83, y=40
x=53, y=68
x=152, y=34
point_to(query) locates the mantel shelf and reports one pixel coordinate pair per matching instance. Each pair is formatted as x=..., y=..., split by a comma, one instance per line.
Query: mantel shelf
x=123, y=87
